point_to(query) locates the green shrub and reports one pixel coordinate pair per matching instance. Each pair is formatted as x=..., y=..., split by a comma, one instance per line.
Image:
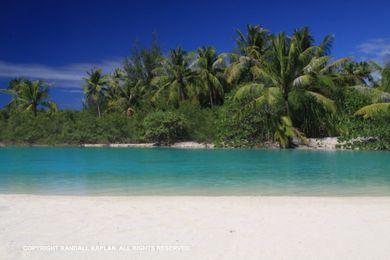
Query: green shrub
x=165, y=127
x=69, y=127
x=240, y=125
x=350, y=100
x=367, y=134
x=317, y=120
x=200, y=123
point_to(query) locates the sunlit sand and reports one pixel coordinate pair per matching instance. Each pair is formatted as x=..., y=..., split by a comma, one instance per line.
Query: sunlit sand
x=59, y=227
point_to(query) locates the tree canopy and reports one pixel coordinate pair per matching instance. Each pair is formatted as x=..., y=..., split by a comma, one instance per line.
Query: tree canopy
x=269, y=88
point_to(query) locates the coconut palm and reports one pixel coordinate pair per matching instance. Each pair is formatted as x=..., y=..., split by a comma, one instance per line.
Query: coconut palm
x=209, y=67
x=292, y=66
x=254, y=44
x=175, y=77
x=251, y=47
x=28, y=95
x=384, y=71
x=95, y=89
x=358, y=73
x=114, y=83
x=123, y=94
x=380, y=96
x=305, y=40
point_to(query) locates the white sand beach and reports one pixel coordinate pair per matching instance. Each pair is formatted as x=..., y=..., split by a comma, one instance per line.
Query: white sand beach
x=67, y=227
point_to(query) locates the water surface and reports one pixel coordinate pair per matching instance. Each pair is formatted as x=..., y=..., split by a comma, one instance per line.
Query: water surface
x=164, y=171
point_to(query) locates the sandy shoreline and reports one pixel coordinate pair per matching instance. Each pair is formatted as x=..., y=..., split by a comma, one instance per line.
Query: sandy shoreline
x=194, y=227
x=327, y=143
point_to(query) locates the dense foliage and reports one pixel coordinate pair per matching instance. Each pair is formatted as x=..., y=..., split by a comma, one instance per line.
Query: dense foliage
x=371, y=133
x=273, y=88
x=164, y=127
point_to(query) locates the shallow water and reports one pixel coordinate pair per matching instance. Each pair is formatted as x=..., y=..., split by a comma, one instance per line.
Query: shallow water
x=164, y=171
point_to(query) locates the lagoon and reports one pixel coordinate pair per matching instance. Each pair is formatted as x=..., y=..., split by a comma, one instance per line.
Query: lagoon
x=169, y=171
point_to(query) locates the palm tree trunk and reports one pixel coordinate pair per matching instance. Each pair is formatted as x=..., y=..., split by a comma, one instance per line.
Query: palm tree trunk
x=34, y=109
x=289, y=143
x=182, y=95
x=98, y=107
x=287, y=107
x=211, y=94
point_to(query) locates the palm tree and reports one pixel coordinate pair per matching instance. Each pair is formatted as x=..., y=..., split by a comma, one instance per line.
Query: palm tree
x=123, y=94
x=95, y=88
x=209, y=67
x=384, y=82
x=28, y=95
x=380, y=95
x=358, y=73
x=251, y=47
x=175, y=76
x=290, y=68
x=254, y=44
x=293, y=65
x=305, y=40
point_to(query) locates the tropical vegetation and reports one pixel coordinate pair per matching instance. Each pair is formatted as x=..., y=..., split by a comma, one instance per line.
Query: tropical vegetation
x=272, y=88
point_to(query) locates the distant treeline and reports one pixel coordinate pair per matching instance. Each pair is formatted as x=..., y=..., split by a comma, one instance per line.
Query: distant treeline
x=271, y=88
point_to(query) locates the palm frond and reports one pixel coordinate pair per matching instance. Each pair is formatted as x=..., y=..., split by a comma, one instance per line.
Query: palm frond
x=336, y=64
x=8, y=92
x=249, y=89
x=326, y=102
x=315, y=64
x=370, y=110
x=301, y=81
x=326, y=45
x=270, y=96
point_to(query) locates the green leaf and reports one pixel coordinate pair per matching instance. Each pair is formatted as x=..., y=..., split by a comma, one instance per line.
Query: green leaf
x=326, y=102
x=249, y=89
x=370, y=110
x=302, y=81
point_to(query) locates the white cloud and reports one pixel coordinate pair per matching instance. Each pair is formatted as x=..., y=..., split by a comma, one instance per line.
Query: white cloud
x=377, y=49
x=69, y=76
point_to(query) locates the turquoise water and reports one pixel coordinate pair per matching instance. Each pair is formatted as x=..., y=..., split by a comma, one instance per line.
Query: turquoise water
x=159, y=171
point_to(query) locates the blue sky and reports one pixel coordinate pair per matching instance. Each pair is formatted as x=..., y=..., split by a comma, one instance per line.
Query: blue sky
x=60, y=40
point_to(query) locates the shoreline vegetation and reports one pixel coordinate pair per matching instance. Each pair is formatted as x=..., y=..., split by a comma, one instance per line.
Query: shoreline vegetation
x=271, y=90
